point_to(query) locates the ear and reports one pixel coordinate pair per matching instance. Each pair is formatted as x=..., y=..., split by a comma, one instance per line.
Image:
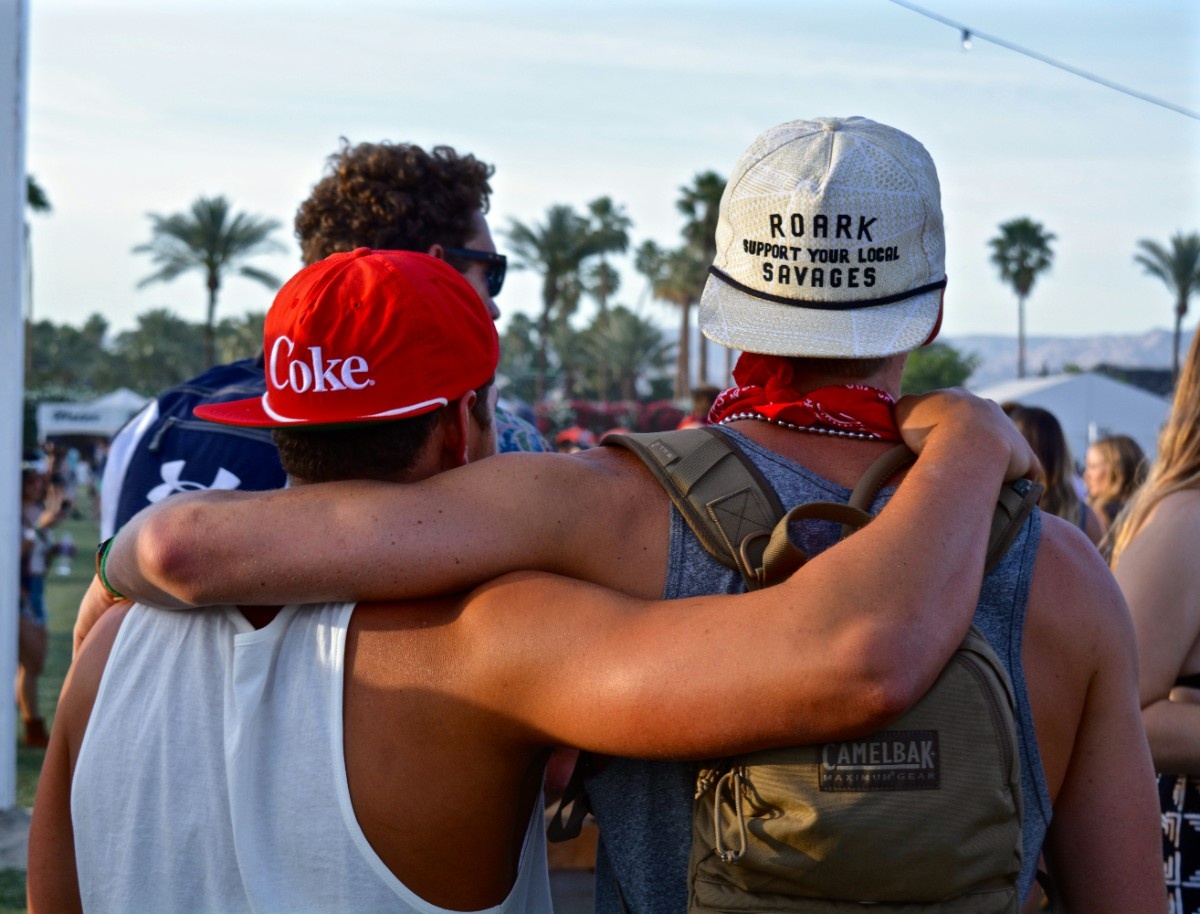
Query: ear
x=456, y=437
x=436, y=250
x=937, y=326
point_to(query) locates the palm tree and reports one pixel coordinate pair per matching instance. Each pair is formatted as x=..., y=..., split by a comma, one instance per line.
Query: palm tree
x=630, y=345
x=1021, y=251
x=213, y=240
x=666, y=280
x=647, y=260
x=556, y=249
x=1179, y=268
x=572, y=355
x=239, y=337
x=610, y=235
x=700, y=204
x=160, y=351
x=676, y=277
x=518, y=354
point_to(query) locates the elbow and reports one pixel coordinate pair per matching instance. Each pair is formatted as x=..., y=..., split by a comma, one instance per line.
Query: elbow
x=895, y=695
x=168, y=555
x=884, y=700
x=889, y=686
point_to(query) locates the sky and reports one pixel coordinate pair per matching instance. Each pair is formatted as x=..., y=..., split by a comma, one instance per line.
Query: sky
x=140, y=107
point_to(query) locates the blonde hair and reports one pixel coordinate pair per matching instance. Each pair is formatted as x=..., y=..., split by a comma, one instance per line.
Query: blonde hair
x=1178, y=464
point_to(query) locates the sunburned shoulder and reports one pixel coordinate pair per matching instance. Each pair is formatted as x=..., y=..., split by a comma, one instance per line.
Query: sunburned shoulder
x=600, y=478
x=598, y=460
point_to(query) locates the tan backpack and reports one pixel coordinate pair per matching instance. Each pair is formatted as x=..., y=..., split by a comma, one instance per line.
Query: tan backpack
x=924, y=815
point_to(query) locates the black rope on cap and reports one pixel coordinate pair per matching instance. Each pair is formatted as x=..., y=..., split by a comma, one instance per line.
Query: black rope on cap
x=829, y=305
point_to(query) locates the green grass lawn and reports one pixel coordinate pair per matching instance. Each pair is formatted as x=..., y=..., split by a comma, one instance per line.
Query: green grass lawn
x=63, y=593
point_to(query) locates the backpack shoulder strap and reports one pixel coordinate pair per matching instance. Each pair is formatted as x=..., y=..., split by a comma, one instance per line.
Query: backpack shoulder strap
x=728, y=504
x=780, y=557
x=740, y=521
x=1017, y=499
x=722, y=495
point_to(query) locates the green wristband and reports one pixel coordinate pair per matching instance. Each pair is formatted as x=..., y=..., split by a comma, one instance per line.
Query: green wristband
x=101, y=559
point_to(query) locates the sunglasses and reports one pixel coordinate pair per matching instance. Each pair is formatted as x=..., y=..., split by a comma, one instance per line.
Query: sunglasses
x=497, y=266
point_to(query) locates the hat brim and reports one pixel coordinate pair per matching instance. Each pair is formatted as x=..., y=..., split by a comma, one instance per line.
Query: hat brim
x=254, y=413
x=738, y=320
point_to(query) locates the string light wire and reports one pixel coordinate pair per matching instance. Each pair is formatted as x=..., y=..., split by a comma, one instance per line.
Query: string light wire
x=971, y=34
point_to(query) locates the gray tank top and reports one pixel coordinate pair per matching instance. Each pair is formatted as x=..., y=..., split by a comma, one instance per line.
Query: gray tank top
x=644, y=809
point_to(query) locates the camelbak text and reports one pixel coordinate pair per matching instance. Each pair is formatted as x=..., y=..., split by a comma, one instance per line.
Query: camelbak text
x=891, y=760
x=316, y=372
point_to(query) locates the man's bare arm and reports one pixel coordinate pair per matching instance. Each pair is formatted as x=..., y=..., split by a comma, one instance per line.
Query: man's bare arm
x=846, y=644
x=1103, y=846
x=53, y=884
x=589, y=516
x=365, y=539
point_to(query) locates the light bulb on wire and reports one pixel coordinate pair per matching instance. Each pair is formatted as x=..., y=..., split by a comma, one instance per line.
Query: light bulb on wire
x=966, y=39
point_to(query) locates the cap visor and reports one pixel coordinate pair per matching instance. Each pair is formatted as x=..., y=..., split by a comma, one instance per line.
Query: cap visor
x=248, y=412
x=253, y=413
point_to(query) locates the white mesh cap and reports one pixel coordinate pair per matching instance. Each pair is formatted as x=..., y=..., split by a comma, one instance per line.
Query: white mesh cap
x=829, y=243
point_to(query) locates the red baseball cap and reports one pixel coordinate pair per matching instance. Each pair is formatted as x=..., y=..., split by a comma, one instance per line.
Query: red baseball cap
x=368, y=336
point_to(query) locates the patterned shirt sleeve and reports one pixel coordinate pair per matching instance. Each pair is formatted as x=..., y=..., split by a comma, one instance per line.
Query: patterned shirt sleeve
x=515, y=434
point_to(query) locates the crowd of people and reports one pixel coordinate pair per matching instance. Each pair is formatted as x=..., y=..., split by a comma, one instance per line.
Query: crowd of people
x=343, y=694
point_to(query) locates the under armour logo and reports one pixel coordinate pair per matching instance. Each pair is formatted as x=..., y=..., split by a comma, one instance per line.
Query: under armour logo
x=171, y=484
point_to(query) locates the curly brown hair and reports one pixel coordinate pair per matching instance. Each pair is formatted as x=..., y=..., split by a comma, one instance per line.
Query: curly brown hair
x=392, y=196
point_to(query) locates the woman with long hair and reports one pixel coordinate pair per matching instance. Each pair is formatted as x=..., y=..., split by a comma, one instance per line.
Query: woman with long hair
x=1045, y=435
x=1155, y=561
x=1113, y=470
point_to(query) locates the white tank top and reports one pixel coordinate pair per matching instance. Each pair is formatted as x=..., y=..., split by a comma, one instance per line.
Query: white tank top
x=211, y=777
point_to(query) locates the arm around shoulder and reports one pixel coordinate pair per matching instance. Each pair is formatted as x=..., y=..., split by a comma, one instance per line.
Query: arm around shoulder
x=368, y=540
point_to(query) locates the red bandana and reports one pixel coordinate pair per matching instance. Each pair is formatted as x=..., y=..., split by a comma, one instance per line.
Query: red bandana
x=767, y=389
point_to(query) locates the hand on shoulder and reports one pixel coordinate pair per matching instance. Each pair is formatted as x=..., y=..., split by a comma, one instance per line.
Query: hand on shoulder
x=967, y=423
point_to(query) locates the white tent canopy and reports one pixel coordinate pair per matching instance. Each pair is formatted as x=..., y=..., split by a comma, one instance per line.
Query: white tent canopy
x=102, y=417
x=1090, y=406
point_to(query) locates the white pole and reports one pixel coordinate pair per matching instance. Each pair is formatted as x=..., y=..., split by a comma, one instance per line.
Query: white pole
x=14, y=29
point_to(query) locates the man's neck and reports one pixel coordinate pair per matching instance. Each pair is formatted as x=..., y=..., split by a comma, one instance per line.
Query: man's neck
x=886, y=378
x=841, y=460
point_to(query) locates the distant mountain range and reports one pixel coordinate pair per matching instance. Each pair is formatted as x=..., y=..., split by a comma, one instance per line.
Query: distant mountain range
x=1049, y=354
x=1043, y=354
